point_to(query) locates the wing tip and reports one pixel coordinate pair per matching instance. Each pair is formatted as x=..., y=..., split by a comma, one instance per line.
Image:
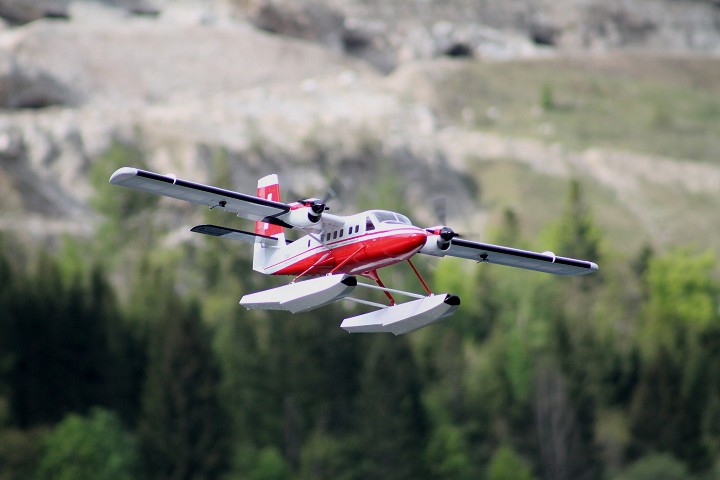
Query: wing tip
x=122, y=174
x=212, y=230
x=590, y=269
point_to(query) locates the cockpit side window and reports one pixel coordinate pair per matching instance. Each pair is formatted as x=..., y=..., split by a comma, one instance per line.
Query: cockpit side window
x=385, y=217
x=391, y=217
x=404, y=219
x=369, y=225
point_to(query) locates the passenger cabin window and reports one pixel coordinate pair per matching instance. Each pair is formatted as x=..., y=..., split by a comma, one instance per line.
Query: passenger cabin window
x=335, y=234
x=357, y=228
x=369, y=224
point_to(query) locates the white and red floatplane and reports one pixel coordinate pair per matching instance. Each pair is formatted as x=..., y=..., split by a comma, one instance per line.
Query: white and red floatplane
x=336, y=249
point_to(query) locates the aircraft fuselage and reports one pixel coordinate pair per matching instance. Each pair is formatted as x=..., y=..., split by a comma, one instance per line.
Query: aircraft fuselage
x=355, y=245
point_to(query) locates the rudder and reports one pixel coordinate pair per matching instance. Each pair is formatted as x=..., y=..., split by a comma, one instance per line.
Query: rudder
x=269, y=189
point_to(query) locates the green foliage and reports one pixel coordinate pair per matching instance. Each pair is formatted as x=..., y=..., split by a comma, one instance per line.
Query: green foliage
x=547, y=97
x=682, y=302
x=96, y=446
x=529, y=360
x=123, y=210
x=575, y=234
x=682, y=288
x=118, y=203
x=506, y=464
x=665, y=391
x=659, y=466
x=270, y=466
x=447, y=454
x=65, y=341
x=476, y=291
x=391, y=421
x=508, y=231
x=711, y=424
x=328, y=458
x=183, y=431
x=519, y=368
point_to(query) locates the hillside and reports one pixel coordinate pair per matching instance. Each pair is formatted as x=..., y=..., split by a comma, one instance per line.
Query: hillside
x=187, y=86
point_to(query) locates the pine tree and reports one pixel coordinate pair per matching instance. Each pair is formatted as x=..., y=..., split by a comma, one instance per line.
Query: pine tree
x=56, y=334
x=391, y=426
x=182, y=432
x=575, y=234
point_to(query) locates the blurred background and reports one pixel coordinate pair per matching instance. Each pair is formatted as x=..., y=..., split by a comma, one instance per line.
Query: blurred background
x=590, y=128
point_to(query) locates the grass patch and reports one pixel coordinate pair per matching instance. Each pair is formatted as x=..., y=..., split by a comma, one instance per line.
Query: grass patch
x=662, y=106
x=538, y=200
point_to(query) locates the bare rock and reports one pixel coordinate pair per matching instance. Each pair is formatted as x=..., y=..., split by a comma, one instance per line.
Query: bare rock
x=33, y=88
x=18, y=12
x=306, y=19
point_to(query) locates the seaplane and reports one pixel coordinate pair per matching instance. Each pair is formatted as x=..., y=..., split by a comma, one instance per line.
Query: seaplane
x=335, y=250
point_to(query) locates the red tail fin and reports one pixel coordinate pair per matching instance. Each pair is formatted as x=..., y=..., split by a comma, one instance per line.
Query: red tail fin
x=268, y=188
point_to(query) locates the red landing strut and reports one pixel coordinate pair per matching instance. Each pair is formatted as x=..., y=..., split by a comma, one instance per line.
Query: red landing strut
x=420, y=278
x=373, y=275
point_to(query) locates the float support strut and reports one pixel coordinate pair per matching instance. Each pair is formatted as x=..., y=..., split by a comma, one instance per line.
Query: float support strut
x=420, y=278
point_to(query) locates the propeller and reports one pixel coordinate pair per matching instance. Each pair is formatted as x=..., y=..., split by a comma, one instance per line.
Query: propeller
x=440, y=208
x=318, y=206
x=445, y=233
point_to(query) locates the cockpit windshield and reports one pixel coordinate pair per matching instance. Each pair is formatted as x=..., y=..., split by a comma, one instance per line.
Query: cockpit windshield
x=391, y=217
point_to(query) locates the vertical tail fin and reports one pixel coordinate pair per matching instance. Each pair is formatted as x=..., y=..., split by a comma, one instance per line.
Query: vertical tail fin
x=268, y=188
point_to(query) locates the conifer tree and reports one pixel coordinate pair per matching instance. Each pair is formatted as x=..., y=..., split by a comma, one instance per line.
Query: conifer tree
x=575, y=234
x=182, y=432
x=56, y=333
x=391, y=421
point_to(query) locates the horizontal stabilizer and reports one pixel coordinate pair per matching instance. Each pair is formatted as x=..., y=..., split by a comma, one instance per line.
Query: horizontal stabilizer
x=404, y=317
x=239, y=235
x=302, y=296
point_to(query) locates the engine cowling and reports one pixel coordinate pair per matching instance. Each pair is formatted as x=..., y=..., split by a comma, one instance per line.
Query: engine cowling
x=305, y=213
x=438, y=241
x=445, y=236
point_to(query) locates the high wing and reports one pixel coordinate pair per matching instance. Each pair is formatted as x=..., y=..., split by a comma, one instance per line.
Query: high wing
x=246, y=206
x=240, y=235
x=546, y=262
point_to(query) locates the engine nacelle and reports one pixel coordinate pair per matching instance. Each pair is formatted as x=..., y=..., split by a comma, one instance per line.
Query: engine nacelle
x=301, y=217
x=435, y=245
x=439, y=241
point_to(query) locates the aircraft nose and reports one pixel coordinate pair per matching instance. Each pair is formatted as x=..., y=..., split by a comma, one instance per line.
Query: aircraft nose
x=412, y=242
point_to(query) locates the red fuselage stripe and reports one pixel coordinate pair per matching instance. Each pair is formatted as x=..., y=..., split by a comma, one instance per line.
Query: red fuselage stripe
x=379, y=249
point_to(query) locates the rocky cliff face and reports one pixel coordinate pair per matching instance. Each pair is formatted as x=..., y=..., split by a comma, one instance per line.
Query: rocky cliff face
x=310, y=89
x=390, y=33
